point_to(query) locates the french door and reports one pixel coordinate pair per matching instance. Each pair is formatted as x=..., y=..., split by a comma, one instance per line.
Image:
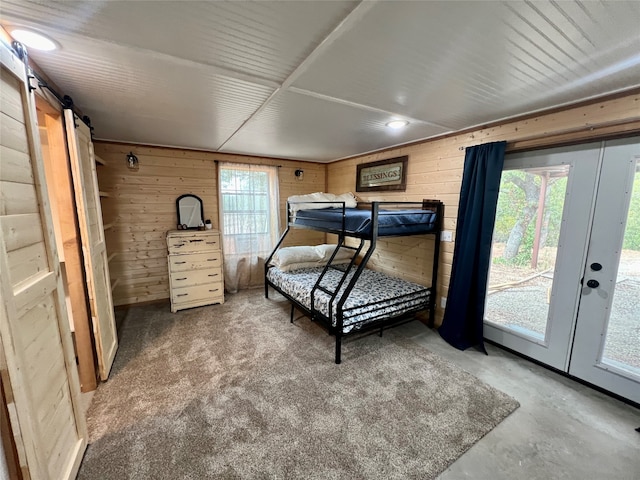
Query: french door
x=564, y=285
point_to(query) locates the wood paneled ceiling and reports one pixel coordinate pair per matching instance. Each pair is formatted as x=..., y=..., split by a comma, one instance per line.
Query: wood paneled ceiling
x=318, y=80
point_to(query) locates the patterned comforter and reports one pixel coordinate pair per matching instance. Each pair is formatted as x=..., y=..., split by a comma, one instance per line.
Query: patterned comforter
x=375, y=296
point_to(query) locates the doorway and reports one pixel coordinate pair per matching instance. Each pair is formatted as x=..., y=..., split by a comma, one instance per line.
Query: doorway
x=67, y=236
x=565, y=271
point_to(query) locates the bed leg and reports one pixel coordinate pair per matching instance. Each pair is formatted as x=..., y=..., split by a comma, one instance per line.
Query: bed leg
x=338, y=349
x=292, y=310
x=266, y=290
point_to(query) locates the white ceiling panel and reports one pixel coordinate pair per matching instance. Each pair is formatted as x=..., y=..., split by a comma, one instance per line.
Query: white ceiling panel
x=109, y=81
x=317, y=80
x=309, y=128
x=464, y=63
x=264, y=39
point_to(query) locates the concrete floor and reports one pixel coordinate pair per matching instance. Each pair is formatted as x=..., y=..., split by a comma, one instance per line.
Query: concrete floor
x=562, y=430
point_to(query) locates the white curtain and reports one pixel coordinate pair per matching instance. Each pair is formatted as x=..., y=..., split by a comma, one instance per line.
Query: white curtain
x=249, y=206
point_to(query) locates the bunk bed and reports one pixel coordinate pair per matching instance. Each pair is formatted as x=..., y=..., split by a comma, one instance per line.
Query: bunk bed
x=337, y=290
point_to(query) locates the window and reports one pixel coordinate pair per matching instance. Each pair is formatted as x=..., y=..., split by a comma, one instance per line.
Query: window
x=249, y=219
x=524, y=250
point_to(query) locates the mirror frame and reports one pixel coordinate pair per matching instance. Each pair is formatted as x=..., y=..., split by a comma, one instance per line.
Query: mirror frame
x=189, y=195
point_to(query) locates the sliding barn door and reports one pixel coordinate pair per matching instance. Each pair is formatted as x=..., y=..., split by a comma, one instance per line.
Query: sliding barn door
x=37, y=363
x=85, y=182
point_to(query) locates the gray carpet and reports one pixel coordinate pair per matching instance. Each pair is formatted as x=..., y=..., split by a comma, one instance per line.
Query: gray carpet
x=236, y=391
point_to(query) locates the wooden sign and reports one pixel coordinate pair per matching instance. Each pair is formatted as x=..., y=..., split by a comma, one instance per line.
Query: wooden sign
x=390, y=174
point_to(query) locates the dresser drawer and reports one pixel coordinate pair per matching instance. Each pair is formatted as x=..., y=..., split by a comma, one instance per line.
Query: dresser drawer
x=193, y=242
x=196, y=277
x=191, y=261
x=210, y=291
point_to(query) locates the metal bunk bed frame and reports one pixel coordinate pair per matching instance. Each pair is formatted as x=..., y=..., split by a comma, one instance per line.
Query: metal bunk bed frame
x=338, y=330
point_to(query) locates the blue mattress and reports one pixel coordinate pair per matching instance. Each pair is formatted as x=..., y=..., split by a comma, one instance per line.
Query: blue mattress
x=358, y=221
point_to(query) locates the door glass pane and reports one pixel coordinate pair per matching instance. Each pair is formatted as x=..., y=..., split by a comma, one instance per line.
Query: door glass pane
x=622, y=348
x=525, y=243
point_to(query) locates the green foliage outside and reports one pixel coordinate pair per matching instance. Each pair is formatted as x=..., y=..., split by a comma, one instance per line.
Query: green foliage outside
x=512, y=202
x=245, y=201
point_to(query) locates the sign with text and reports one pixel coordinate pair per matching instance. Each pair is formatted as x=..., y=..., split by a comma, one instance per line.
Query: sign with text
x=383, y=175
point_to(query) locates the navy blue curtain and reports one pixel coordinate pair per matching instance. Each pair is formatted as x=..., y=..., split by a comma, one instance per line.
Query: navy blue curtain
x=463, y=318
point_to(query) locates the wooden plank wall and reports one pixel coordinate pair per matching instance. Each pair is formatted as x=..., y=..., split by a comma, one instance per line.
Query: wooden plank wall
x=140, y=207
x=435, y=171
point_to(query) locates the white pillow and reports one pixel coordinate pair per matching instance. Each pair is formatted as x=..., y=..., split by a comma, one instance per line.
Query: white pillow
x=288, y=255
x=325, y=251
x=348, y=199
x=297, y=266
x=293, y=258
x=297, y=201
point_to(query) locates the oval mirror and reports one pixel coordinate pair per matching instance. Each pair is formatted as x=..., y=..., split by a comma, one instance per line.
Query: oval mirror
x=190, y=211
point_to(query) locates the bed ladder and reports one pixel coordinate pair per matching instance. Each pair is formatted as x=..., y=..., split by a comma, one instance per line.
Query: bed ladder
x=342, y=267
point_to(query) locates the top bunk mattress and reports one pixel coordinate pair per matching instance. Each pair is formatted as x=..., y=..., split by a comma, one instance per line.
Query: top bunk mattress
x=358, y=221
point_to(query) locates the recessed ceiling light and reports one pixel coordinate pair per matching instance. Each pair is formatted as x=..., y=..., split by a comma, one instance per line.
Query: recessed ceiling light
x=396, y=124
x=33, y=39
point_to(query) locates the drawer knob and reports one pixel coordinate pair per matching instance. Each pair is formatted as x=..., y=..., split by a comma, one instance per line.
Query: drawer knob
x=211, y=259
x=178, y=263
x=214, y=290
x=213, y=274
x=196, y=240
x=182, y=295
x=183, y=278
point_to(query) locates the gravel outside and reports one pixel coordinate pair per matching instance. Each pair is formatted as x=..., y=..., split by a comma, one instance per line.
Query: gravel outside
x=524, y=306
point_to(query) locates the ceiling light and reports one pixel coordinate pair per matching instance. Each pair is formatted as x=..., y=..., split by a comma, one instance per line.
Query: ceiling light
x=33, y=39
x=396, y=124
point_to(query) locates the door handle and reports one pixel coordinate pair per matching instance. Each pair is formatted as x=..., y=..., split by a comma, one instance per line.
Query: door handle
x=593, y=283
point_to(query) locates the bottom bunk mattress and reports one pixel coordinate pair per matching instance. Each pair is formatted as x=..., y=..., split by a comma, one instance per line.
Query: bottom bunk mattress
x=376, y=296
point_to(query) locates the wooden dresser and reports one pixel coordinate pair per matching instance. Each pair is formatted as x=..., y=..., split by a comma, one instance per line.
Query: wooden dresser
x=195, y=268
